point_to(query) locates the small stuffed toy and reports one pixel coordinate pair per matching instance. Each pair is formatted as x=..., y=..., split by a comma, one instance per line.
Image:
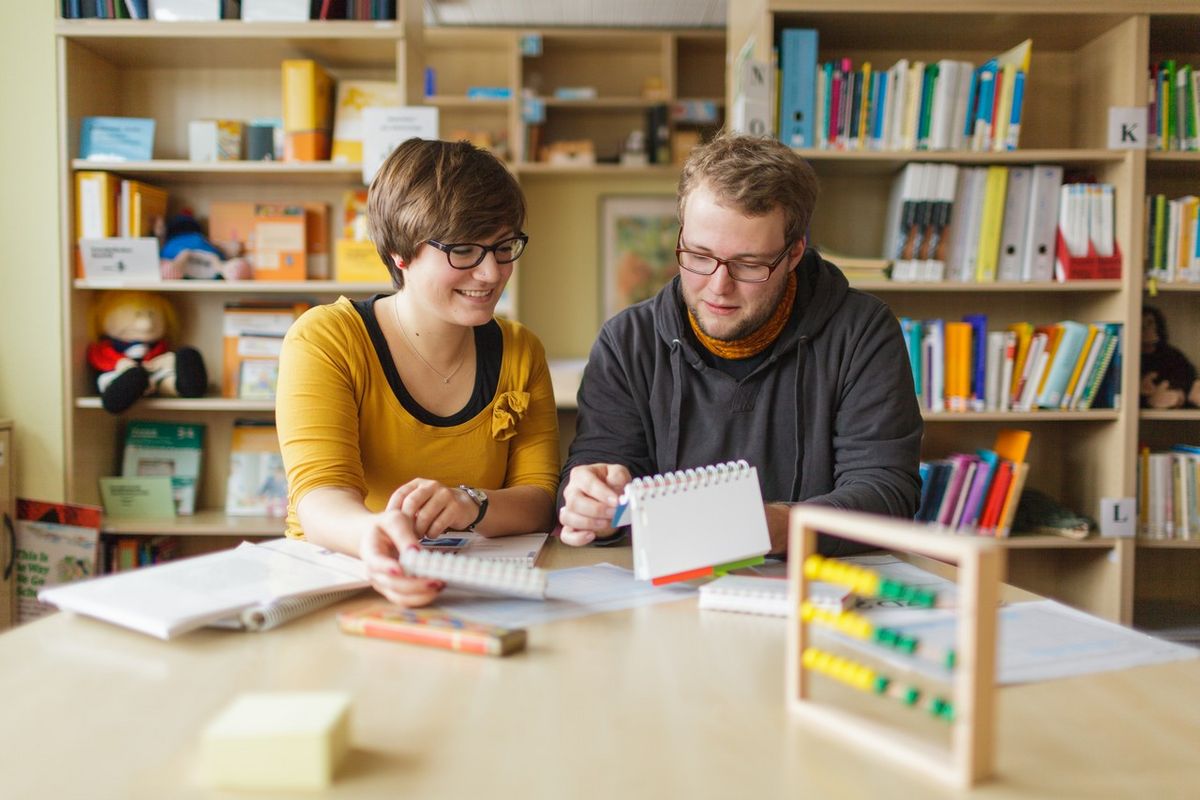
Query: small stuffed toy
x=131, y=352
x=1168, y=378
x=187, y=253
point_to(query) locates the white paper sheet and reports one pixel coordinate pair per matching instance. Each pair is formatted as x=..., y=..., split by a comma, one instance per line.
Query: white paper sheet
x=1040, y=640
x=570, y=593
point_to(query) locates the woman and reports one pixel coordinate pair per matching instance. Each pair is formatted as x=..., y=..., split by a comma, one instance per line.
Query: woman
x=418, y=412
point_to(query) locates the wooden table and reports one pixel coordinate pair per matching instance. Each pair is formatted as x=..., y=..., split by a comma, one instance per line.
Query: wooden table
x=660, y=701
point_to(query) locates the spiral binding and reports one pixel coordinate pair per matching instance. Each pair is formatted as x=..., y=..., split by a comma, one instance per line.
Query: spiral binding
x=685, y=480
x=265, y=616
x=497, y=577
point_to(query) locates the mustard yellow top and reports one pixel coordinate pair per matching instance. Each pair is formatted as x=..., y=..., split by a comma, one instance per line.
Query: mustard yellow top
x=340, y=423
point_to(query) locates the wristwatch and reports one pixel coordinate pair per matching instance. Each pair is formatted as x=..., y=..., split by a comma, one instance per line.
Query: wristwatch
x=480, y=499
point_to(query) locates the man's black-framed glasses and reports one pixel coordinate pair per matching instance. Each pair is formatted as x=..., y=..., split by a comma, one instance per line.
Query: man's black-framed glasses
x=744, y=271
x=468, y=255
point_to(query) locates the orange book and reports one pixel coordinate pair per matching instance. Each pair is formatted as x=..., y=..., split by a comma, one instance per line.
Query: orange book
x=307, y=111
x=958, y=365
x=1012, y=499
x=231, y=226
x=1012, y=444
x=316, y=240
x=280, y=243
x=252, y=337
x=1024, y=332
x=1053, y=337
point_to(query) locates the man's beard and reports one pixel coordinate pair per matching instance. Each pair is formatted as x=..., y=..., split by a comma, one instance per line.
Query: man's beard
x=746, y=326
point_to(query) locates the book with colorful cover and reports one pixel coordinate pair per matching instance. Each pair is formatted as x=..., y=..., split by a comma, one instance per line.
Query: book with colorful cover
x=352, y=97
x=55, y=543
x=257, y=483
x=166, y=448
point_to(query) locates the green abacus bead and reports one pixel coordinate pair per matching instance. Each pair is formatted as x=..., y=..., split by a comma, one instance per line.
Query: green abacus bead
x=906, y=644
x=881, y=684
x=951, y=659
x=924, y=598
x=911, y=695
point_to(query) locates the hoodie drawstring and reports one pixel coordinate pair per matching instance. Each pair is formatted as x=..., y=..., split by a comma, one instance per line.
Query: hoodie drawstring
x=801, y=350
x=672, y=449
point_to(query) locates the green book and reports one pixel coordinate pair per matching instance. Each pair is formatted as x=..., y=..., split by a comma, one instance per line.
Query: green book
x=166, y=448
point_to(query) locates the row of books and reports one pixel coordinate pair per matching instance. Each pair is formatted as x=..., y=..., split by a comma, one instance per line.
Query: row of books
x=1169, y=493
x=1173, y=238
x=248, y=10
x=252, y=337
x=998, y=223
x=976, y=493
x=1174, y=106
x=961, y=366
x=161, y=468
x=912, y=105
x=121, y=553
x=107, y=205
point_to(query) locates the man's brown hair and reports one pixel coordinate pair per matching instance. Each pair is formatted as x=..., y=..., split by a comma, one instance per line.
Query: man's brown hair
x=448, y=191
x=753, y=175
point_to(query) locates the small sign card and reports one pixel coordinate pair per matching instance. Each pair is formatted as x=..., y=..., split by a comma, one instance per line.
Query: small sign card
x=384, y=129
x=147, y=497
x=120, y=259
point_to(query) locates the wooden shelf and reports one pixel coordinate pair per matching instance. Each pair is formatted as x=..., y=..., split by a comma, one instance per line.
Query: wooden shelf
x=602, y=103
x=987, y=288
x=462, y=101
x=898, y=158
x=1039, y=542
x=239, y=287
x=650, y=171
x=221, y=404
x=235, y=44
x=210, y=522
x=1044, y=415
x=1169, y=544
x=327, y=172
x=1171, y=415
x=1185, y=156
x=1178, y=286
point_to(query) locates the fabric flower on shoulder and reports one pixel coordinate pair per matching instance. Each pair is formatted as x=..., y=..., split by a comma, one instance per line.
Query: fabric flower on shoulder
x=507, y=413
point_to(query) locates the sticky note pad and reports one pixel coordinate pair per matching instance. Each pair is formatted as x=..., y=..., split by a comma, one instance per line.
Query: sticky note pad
x=277, y=740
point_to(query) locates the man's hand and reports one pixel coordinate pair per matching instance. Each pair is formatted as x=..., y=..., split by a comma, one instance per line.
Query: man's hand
x=589, y=501
x=778, y=519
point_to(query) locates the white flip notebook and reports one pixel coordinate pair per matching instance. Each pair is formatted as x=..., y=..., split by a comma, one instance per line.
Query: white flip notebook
x=751, y=594
x=693, y=519
x=508, y=578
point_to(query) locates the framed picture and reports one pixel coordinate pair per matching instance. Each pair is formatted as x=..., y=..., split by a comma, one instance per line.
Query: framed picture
x=637, y=248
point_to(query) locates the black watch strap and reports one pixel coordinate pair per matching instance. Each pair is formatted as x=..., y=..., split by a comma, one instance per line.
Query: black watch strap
x=480, y=499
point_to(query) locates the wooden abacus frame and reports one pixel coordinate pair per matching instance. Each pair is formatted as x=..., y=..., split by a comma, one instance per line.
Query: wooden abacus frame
x=970, y=757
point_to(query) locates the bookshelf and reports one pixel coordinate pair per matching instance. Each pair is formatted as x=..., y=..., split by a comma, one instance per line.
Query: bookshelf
x=1088, y=55
x=174, y=73
x=1167, y=577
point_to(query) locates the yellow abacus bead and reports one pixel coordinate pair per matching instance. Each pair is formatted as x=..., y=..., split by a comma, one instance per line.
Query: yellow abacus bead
x=832, y=572
x=869, y=586
x=807, y=611
x=812, y=566
x=822, y=662
x=809, y=658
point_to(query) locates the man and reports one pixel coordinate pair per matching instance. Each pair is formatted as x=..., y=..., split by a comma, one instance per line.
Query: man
x=758, y=350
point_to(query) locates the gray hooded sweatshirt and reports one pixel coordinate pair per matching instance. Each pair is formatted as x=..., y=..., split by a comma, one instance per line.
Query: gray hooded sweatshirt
x=829, y=416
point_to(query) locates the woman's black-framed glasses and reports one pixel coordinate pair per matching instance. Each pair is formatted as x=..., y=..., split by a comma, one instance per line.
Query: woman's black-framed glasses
x=468, y=255
x=744, y=271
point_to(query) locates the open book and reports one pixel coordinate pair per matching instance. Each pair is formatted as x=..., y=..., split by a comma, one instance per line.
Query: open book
x=176, y=597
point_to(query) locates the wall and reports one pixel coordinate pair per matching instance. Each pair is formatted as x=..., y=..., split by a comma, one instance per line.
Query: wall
x=31, y=389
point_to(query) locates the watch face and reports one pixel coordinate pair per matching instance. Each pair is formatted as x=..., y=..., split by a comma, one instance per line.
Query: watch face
x=475, y=494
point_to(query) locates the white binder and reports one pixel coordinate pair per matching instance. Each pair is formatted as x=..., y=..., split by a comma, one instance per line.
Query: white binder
x=1016, y=220
x=695, y=519
x=1038, y=251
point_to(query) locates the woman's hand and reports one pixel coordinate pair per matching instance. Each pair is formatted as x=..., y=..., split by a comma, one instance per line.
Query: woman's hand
x=391, y=533
x=434, y=507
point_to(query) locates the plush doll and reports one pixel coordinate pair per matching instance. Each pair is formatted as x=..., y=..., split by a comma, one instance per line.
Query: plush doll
x=131, y=352
x=187, y=253
x=1168, y=378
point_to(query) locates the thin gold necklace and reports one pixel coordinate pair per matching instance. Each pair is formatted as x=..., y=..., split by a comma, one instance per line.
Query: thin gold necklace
x=413, y=347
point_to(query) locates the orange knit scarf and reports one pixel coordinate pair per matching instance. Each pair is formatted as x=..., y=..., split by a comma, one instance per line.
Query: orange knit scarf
x=757, y=341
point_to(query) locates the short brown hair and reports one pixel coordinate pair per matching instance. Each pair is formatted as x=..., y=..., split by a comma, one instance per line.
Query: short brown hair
x=754, y=175
x=448, y=191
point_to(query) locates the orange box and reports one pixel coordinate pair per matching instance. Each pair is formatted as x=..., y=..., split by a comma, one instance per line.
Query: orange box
x=280, y=244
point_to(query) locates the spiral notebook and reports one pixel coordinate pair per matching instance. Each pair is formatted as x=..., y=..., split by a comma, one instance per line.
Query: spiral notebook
x=695, y=522
x=751, y=594
x=507, y=578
